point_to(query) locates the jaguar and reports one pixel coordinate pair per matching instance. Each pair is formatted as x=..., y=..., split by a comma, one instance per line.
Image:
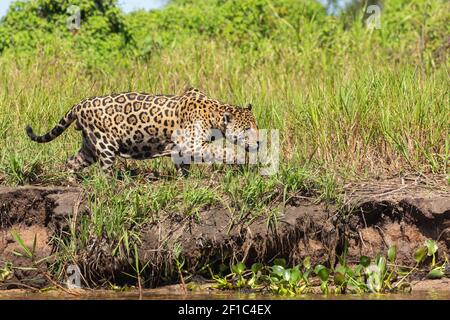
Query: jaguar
x=142, y=126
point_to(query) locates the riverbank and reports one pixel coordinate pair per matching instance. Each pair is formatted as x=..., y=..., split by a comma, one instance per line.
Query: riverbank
x=374, y=216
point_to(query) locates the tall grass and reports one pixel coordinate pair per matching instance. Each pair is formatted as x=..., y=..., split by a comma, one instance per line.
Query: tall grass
x=357, y=115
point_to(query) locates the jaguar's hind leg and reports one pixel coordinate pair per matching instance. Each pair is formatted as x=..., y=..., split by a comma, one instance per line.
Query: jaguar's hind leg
x=83, y=159
x=106, y=163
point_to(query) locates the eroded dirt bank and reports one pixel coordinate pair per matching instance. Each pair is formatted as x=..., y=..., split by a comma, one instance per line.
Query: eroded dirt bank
x=373, y=218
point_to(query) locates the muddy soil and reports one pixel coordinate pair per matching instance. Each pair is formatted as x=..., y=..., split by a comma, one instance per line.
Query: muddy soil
x=374, y=217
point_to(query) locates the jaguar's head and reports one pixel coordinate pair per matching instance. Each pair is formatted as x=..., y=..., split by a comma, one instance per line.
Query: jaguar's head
x=241, y=128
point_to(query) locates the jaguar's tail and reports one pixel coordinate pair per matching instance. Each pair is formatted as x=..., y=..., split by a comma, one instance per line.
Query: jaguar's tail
x=63, y=124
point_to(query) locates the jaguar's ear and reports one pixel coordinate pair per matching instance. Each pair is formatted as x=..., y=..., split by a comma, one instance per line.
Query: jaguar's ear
x=249, y=106
x=227, y=117
x=188, y=89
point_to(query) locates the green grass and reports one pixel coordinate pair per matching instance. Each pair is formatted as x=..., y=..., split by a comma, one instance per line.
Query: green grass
x=347, y=101
x=384, y=118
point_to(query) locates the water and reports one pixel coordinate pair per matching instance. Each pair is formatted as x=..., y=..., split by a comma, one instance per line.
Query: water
x=157, y=294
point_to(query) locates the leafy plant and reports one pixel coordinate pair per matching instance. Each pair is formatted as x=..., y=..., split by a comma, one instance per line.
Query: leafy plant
x=379, y=275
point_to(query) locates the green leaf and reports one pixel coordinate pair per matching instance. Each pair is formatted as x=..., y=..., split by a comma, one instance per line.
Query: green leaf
x=339, y=278
x=420, y=254
x=341, y=269
x=287, y=274
x=382, y=265
x=364, y=261
x=349, y=271
x=358, y=269
x=126, y=243
x=18, y=253
x=19, y=240
x=238, y=268
x=34, y=246
x=392, y=253
x=318, y=268
x=307, y=262
x=403, y=270
x=322, y=272
x=136, y=258
x=305, y=275
x=295, y=274
x=324, y=287
x=436, y=273
x=280, y=262
x=274, y=279
x=278, y=270
x=431, y=246
x=342, y=259
x=256, y=267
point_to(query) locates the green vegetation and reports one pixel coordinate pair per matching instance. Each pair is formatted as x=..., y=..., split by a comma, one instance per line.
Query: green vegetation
x=349, y=103
x=379, y=275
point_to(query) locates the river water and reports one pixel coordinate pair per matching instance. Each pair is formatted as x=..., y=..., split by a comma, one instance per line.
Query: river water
x=152, y=295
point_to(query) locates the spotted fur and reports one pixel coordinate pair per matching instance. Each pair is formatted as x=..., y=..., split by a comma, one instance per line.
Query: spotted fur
x=140, y=126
